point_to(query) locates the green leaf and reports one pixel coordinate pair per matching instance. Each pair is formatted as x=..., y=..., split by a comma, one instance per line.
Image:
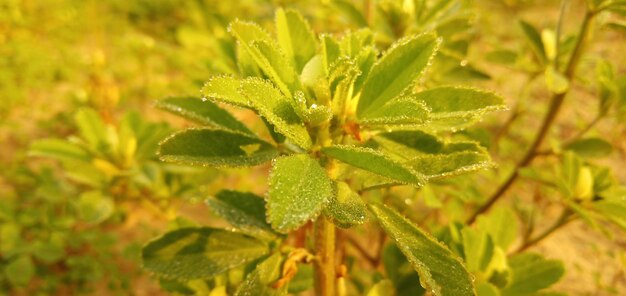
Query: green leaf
x=259, y=282
x=330, y=51
x=398, y=111
x=590, y=147
x=478, y=249
x=346, y=208
x=351, y=12
x=20, y=271
x=200, y=253
x=58, y=149
x=375, y=162
x=277, y=109
x=396, y=71
x=501, y=224
x=531, y=273
x=298, y=190
x=91, y=127
x=439, y=269
x=382, y=288
x=95, y=207
x=245, y=211
x=217, y=148
x=263, y=50
x=203, y=112
x=555, y=81
x=534, y=38
x=295, y=37
x=459, y=102
x=487, y=289
x=302, y=281
x=224, y=89
x=447, y=165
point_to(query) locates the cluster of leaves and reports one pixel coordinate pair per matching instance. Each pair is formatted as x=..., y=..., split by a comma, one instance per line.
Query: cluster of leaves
x=343, y=120
x=46, y=245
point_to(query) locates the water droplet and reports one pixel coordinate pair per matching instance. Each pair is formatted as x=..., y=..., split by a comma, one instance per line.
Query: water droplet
x=464, y=63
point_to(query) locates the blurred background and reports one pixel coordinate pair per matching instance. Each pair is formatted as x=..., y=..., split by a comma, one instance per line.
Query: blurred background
x=81, y=188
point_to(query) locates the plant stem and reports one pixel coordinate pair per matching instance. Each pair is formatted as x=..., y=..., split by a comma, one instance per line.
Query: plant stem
x=555, y=105
x=325, y=257
x=563, y=220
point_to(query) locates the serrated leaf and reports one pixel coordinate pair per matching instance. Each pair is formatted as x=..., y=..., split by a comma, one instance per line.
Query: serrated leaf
x=452, y=164
x=298, y=190
x=375, y=162
x=203, y=112
x=396, y=71
x=217, y=148
x=243, y=210
x=459, y=102
x=200, y=253
x=346, y=208
x=532, y=273
x=415, y=144
x=439, y=269
x=259, y=281
x=398, y=111
x=224, y=89
x=59, y=150
x=276, y=109
x=590, y=147
x=295, y=37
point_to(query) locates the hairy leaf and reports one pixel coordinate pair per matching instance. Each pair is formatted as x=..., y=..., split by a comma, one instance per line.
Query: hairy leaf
x=217, y=148
x=276, y=109
x=449, y=101
x=398, y=111
x=245, y=211
x=298, y=190
x=375, y=162
x=225, y=89
x=452, y=164
x=200, y=253
x=346, y=208
x=259, y=281
x=396, y=71
x=203, y=112
x=439, y=269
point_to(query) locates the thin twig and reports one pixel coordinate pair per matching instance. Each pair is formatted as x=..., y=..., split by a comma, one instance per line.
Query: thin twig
x=566, y=217
x=555, y=105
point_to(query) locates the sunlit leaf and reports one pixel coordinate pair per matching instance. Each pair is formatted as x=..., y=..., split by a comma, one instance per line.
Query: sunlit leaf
x=375, y=162
x=396, y=71
x=439, y=269
x=298, y=190
x=532, y=273
x=216, y=148
x=259, y=281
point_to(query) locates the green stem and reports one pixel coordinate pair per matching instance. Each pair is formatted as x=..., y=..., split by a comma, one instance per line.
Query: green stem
x=555, y=105
x=325, y=277
x=562, y=221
